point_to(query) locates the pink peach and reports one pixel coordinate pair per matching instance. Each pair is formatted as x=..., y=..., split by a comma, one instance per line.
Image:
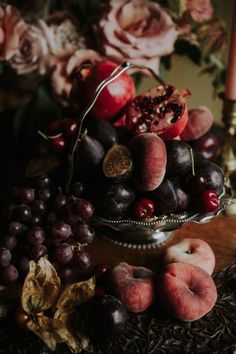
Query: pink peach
x=133, y=286
x=187, y=291
x=192, y=251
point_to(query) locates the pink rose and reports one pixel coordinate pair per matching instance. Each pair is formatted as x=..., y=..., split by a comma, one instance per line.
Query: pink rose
x=33, y=50
x=64, y=34
x=63, y=75
x=12, y=27
x=139, y=31
x=200, y=10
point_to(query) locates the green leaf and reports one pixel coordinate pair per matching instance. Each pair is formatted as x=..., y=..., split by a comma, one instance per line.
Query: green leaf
x=176, y=8
x=192, y=51
x=36, y=114
x=137, y=79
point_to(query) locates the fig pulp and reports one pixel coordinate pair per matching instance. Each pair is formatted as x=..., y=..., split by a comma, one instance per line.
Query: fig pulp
x=118, y=163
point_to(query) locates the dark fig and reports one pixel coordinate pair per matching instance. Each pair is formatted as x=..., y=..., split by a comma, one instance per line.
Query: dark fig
x=103, y=131
x=88, y=157
x=118, y=164
x=179, y=161
x=113, y=200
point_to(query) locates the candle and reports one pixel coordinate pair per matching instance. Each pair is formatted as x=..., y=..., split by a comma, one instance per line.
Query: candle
x=230, y=88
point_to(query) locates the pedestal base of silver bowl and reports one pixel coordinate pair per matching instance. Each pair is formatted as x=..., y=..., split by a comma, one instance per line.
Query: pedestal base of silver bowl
x=156, y=231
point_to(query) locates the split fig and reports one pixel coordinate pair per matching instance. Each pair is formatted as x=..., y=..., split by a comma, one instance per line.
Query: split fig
x=118, y=164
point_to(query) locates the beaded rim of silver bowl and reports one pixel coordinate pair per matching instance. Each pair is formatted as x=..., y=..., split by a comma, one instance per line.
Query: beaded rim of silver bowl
x=156, y=231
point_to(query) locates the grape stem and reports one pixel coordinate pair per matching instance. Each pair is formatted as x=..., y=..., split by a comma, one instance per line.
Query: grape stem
x=118, y=71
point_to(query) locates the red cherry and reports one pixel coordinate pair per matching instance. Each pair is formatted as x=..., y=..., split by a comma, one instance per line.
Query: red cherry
x=99, y=271
x=209, y=201
x=143, y=208
x=69, y=126
x=58, y=144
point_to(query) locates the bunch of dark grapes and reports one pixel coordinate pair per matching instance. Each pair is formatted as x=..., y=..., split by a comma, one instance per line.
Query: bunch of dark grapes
x=43, y=221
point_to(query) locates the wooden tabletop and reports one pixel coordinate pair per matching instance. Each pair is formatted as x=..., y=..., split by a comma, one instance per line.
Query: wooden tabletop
x=220, y=233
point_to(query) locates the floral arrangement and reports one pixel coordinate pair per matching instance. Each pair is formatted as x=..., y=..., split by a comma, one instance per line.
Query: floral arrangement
x=53, y=40
x=63, y=61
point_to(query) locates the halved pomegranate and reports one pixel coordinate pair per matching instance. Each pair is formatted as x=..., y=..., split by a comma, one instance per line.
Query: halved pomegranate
x=161, y=110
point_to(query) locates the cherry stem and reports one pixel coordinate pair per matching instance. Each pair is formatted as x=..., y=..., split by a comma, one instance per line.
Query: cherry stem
x=48, y=137
x=42, y=135
x=118, y=71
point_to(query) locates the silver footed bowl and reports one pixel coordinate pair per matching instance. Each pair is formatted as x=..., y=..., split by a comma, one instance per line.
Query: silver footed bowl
x=155, y=231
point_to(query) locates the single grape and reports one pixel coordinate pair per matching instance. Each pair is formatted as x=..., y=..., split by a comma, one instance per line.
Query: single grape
x=26, y=195
x=63, y=253
x=35, y=220
x=35, y=236
x=77, y=189
x=83, y=208
x=59, y=202
x=15, y=228
x=23, y=213
x=37, y=252
x=8, y=274
x=9, y=242
x=84, y=233
x=60, y=230
x=5, y=257
x=81, y=260
x=44, y=194
x=23, y=266
x=39, y=207
x=42, y=182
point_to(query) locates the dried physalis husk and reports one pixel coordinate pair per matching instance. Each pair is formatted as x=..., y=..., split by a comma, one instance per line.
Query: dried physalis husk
x=40, y=292
x=41, y=287
x=74, y=295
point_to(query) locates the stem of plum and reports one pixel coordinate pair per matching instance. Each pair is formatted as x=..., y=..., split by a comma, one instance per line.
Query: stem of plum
x=119, y=70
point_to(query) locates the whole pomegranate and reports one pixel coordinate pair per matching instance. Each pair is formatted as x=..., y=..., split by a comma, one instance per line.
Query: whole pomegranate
x=161, y=110
x=113, y=98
